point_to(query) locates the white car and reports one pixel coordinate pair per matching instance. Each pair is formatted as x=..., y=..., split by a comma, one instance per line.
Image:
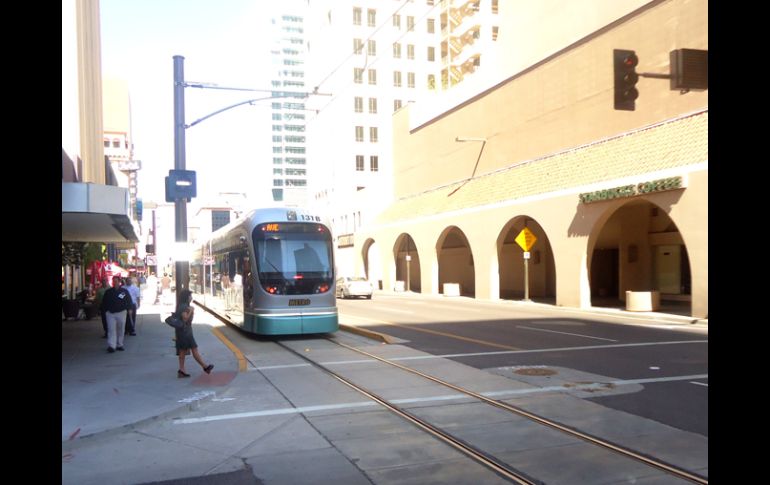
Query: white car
x=354, y=286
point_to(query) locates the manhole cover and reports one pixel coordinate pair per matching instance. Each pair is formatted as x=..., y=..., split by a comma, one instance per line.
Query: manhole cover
x=535, y=371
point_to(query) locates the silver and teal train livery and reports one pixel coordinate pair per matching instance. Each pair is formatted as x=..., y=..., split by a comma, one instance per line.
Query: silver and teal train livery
x=270, y=273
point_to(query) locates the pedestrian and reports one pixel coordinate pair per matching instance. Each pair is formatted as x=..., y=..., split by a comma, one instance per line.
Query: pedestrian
x=116, y=302
x=185, y=341
x=152, y=289
x=98, y=303
x=136, y=299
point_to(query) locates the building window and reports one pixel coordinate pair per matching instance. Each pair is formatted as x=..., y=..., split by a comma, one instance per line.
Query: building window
x=358, y=75
x=371, y=17
x=277, y=127
x=431, y=26
x=431, y=81
x=397, y=104
x=371, y=47
x=429, y=2
x=397, y=21
x=359, y=133
x=396, y=50
x=397, y=79
x=276, y=116
x=277, y=171
x=356, y=16
x=358, y=104
x=431, y=53
x=374, y=162
x=358, y=46
x=277, y=160
x=373, y=76
x=373, y=105
x=410, y=79
x=409, y=23
x=277, y=150
x=115, y=143
x=410, y=51
x=359, y=163
x=219, y=219
x=373, y=134
x=277, y=139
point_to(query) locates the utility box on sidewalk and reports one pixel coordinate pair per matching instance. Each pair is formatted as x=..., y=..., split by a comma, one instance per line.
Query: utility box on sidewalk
x=642, y=301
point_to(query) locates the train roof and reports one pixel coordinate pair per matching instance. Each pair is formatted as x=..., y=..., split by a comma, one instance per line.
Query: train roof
x=269, y=214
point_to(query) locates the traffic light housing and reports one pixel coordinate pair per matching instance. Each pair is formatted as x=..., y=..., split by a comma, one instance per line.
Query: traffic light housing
x=624, y=68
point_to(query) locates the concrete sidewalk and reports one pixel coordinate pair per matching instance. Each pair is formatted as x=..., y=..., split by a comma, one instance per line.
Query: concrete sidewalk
x=103, y=392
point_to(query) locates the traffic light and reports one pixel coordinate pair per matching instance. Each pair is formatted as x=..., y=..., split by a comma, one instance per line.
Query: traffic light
x=624, y=68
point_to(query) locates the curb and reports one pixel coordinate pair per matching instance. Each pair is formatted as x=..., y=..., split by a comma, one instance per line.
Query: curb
x=386, y=339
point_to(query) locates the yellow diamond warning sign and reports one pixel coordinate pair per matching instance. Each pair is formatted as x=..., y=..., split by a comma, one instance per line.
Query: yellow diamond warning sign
x=526, y=239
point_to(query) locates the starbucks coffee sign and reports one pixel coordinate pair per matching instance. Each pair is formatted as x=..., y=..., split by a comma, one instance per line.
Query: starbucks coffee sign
x=642, y=188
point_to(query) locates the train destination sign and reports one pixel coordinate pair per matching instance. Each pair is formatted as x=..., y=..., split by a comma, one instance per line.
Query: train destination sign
x=642, y=188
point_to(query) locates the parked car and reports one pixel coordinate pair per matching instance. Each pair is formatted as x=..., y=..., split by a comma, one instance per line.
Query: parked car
x=354, y=286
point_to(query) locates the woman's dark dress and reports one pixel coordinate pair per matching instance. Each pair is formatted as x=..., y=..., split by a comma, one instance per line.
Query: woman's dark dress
x=184, y=338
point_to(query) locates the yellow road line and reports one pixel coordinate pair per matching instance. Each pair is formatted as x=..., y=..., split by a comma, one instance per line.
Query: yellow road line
x=436, y=332
x=238, y=354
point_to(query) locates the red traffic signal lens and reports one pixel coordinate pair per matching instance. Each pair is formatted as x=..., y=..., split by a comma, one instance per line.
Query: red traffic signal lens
x=630, y=60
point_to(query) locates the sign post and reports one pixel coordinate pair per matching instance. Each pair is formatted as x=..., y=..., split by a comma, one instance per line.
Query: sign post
x=526, y=239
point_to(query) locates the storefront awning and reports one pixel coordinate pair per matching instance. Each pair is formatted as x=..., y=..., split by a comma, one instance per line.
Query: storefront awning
x=96, y=213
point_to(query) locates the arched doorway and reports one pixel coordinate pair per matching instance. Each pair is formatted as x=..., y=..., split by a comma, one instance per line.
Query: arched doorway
x=541, y=267
x=639, y=248
x=455, y=262
x=372, y=262
x=407, y=261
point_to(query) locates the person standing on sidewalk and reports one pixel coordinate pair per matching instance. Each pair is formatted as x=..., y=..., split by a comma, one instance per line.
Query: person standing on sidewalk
x=185, y=341
x=116, y=302
x=136, y=298
x=98, y=303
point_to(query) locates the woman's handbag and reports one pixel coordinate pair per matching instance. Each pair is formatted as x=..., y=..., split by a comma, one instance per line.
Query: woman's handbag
x=174, y=321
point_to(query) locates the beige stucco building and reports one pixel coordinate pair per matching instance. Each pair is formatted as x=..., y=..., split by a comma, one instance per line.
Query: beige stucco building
x=618, y=200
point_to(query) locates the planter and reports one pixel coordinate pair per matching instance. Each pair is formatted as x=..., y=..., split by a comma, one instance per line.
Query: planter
x=642, y=301
x=90, y=310
x=70, y=308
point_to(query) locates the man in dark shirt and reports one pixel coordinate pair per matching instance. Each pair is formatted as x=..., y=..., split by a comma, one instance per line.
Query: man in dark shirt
x=116, y=302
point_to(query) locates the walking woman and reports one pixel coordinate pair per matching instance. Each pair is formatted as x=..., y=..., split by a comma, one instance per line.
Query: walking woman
x=185, y=341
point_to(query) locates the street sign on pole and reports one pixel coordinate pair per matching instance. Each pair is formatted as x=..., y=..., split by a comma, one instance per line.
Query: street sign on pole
x=526, y=239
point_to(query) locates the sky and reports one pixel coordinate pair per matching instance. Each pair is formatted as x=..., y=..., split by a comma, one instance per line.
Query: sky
x=222, y=42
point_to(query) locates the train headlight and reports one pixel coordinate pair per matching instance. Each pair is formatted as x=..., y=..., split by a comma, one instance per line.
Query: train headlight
x=322, y=288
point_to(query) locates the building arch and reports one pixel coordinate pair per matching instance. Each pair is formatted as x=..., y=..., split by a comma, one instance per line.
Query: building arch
x=637, y=246
x=455, y=261
x=370, y=254
x=407, y=263
x=541, y=264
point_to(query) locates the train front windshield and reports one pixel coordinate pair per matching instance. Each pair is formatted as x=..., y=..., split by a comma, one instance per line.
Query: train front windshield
x=293, y=258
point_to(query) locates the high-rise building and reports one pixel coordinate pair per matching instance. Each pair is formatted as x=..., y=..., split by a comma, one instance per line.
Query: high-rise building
x=468, y=29
x=289, y=143
x=367, y=59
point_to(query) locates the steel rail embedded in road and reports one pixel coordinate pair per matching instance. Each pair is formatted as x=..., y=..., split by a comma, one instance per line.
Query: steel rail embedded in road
x=666, y=467
x=478, y=455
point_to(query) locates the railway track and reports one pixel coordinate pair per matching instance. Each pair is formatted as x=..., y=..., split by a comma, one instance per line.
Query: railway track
x=496, y=464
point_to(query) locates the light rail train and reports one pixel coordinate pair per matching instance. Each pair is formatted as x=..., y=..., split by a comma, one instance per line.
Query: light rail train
x=270, y=273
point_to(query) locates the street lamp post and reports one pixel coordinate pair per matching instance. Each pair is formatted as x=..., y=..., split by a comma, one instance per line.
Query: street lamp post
x=182, y=268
